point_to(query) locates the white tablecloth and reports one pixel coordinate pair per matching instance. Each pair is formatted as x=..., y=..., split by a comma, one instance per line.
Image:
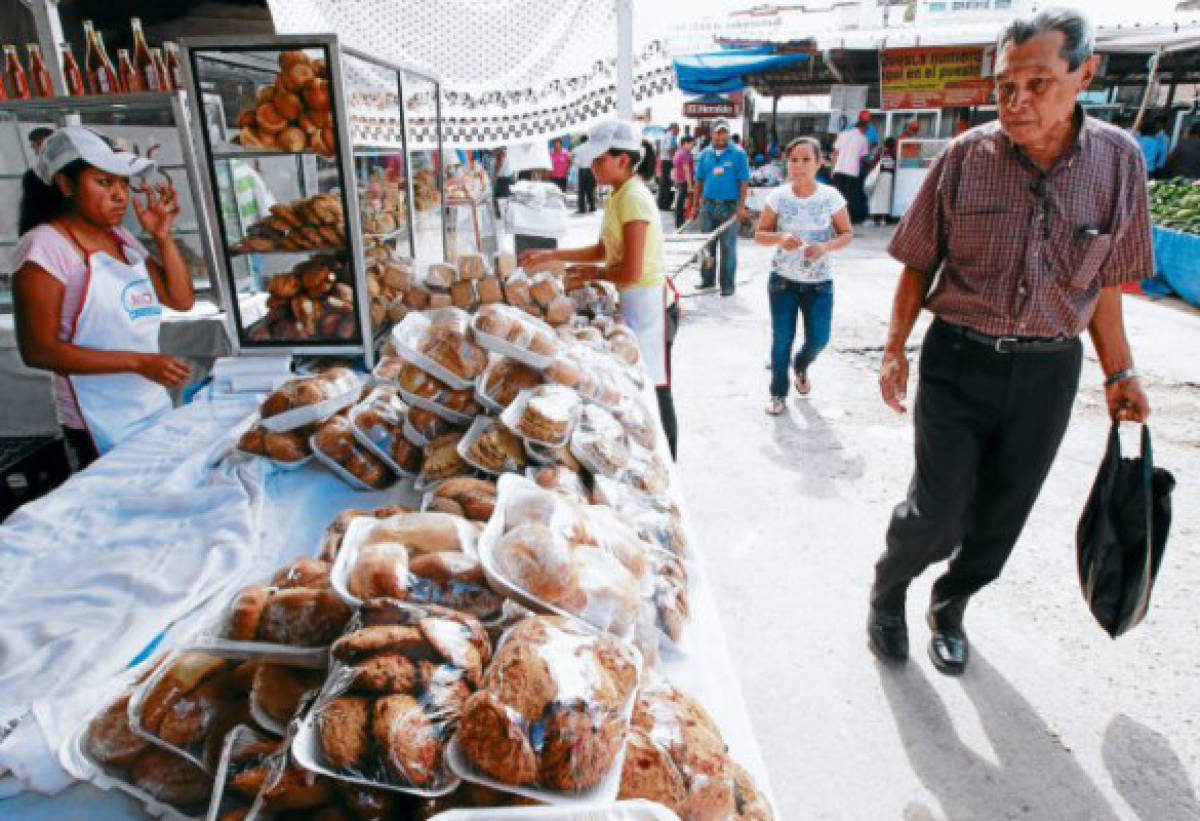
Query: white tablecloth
x=295, y=508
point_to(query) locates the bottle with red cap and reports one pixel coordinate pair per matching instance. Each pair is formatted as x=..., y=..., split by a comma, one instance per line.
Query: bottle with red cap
x=101, y=77
x=71, y=72
x=127, y=76
x=14, y=72
x=39, y=75
x=143, y=60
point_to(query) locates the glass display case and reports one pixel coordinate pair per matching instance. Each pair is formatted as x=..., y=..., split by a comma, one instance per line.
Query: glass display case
x=151, y=124
x=422, y=116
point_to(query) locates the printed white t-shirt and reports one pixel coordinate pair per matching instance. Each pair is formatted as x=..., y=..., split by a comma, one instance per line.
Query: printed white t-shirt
x=809, y=219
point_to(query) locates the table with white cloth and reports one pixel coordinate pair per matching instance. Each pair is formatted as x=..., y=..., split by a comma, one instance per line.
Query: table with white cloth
x=167, y=501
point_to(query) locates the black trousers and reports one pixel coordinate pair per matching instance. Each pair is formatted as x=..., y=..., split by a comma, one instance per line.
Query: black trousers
x=681, y=195
x=851, y=189
x=666, y=189
x=586, y=196
x=666, y=402
x=988, y=426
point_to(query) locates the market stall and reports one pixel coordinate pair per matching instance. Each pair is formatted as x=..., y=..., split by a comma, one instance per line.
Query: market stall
x=1175, y=209
x=458, y=561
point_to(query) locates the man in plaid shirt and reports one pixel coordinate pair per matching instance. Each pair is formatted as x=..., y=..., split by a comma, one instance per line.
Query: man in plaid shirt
x=1019, y=240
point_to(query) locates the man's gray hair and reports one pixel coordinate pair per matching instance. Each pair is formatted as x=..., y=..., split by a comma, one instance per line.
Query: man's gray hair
x=1078, y=38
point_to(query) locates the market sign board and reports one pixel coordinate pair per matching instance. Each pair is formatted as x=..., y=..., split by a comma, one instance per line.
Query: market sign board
x=936, y=77
x=710, y=106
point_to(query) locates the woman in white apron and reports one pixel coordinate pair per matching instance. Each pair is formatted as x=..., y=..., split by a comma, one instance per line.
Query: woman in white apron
x=88, y=297
x=630, y=251
x=881, y=194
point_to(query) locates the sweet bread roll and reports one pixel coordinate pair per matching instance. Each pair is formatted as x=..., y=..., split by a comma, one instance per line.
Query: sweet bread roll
x=170, y=778
x=426, y=532
x=535, y=558
x=544, y=289
x=245, y=613
x=462, y=294
x=276, y=690
x=406, y=739
x=268, y=119
x=495, y=321
x=489, y=290
x=110, y=740
x=380, y=570
x=471, y=266
x=560, y=310
x=440, y=300
x=516, y=291
x=342, y=728
x=440, y=275
x=303, y=617
x=252, y=441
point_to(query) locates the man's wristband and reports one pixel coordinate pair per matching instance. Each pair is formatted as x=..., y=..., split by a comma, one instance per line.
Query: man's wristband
x=1121, y=376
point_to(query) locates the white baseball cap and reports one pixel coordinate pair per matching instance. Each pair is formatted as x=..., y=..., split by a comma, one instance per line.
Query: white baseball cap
x=606, y=136
x=72, y=143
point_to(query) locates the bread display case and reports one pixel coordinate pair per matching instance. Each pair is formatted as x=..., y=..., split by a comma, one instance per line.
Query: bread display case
x=312, y=201
x=151, y=124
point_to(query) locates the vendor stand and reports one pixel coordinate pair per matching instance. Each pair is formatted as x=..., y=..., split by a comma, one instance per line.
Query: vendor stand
x=180, y=516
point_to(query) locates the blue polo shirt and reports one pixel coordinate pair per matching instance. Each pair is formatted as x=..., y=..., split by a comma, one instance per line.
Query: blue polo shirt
x=721, y=174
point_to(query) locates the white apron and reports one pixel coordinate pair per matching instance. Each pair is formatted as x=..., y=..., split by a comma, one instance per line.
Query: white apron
x=644, y=310
x=120, y=312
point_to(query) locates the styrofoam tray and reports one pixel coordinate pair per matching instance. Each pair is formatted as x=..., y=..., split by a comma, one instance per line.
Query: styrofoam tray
x=523, y=355
x=345, y=475
x=451, y=416
x=406, y=338
x=381, y=452
x=477, y=429
x=635, y=810
x=139, y=696
x=305, y=751
x=310, y=414
x=512, y=418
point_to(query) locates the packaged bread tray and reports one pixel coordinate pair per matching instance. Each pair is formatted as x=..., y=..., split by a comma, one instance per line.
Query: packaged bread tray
x=422, y=426
x=263, y=782
x=636, y=810
x=378, y=425
x=512, y=332
x=105, y=751
x=657, y=519
x=491, y=447
x=599, y=442
x=426, y=558
x=440, y=342
x=638, y=422
x=553, y=556
x=550, y=718
x=677, y=757
x=191, y=700
x=648, y=472
x=502, y=380
x=544, y=415
x=336, y=446
x=392, y=699
x=583, y=371
x=331, y=538
x=419, y=389
x=442, y=461
x=288, y=450
x=309, y=400
x=560, y=479
x=288, y=619
x=473, y=499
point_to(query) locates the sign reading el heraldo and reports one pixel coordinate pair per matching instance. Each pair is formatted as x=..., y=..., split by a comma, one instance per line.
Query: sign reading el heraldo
x=936, y=77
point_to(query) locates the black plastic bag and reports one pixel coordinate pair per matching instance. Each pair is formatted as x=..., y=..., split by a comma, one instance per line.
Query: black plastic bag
x=1122, y=534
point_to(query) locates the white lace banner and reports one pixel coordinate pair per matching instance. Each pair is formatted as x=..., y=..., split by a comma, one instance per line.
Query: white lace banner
x=511, y=70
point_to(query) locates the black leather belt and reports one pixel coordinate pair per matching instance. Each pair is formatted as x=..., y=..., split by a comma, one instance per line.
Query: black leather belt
x=1011, y=344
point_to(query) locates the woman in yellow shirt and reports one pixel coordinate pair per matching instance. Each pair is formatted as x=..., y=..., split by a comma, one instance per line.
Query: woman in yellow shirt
x=630, y=251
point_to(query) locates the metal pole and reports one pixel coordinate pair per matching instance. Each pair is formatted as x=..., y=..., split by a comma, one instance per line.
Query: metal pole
x=625, y=59
x=50, y=34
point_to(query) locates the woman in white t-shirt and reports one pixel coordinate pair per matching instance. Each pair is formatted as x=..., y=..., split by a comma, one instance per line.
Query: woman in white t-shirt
x=805, y=220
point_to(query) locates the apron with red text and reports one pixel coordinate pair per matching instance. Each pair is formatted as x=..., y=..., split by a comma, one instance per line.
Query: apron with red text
x=120, y=312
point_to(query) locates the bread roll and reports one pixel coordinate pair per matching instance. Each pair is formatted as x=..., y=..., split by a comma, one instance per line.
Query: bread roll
x=440, y=275
x=380, y=570
x=489, y=290
x=471, y=266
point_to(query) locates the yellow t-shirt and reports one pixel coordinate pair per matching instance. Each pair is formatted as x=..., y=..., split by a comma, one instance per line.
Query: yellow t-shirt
x=633, y=202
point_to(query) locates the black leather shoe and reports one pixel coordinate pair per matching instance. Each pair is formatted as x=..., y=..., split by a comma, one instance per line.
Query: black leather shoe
x=887, y=635
x=948, y=646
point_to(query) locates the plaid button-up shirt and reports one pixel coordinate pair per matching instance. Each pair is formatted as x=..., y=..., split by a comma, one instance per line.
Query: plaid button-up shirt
x=1022, y=252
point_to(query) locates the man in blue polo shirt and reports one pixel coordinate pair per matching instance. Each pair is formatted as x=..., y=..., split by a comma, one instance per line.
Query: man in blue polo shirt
x=722, y=176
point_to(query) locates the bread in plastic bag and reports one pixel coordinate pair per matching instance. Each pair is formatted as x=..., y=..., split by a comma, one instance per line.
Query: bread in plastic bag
x=551, y=715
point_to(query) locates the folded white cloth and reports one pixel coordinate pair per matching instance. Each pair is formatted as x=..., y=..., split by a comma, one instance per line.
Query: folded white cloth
x=97, y=569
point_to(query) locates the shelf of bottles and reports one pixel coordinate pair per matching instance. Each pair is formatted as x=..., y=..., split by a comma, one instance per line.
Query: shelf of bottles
x=279, y=177
x=144, y=68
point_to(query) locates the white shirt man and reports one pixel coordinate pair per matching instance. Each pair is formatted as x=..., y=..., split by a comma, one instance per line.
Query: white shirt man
x=848, y=151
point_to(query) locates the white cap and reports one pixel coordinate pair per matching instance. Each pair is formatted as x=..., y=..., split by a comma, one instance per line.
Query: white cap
x=608, y=135
x=720, y=125
x=72, y=143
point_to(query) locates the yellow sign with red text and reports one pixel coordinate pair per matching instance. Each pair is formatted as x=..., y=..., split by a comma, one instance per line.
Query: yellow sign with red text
x=936, y=77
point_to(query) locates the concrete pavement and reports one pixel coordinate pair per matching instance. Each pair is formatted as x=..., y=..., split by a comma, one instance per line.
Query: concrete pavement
x=1053, y=720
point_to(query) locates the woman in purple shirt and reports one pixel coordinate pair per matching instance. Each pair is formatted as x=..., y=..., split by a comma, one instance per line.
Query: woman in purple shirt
x=684, y=174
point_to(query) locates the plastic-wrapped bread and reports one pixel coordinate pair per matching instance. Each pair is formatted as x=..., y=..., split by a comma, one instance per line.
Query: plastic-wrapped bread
x=471, y=266
x=552, y=712
x=489, y=290
x=440, y=275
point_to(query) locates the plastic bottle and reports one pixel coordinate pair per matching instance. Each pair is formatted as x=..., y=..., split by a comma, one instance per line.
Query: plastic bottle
x=174, y=67
x=131, y=81
x=71, y=72
x=18, y=83
x=101, y=78
x=143, y=60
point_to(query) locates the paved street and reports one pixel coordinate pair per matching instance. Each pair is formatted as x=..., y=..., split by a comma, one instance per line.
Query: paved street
x=1053, y=720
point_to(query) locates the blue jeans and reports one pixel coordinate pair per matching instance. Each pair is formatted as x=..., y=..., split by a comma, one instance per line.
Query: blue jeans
x=712, y=214
x=788, y=298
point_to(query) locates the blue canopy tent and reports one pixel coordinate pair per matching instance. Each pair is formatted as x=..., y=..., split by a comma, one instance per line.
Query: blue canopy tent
x=724, y=71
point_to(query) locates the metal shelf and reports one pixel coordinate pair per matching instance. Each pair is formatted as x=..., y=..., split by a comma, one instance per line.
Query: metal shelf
x=254, y=155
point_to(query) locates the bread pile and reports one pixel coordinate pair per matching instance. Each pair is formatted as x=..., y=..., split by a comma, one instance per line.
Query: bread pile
x=306, y=224
x=293, y=114
x=296, y=608
x=552, y=710
x=389, y=277
x=291, y=445
x=384, y=205
x=425, y=191
x=676, y=756
x=394, y=697
x=427, y=558
x=314, y=301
